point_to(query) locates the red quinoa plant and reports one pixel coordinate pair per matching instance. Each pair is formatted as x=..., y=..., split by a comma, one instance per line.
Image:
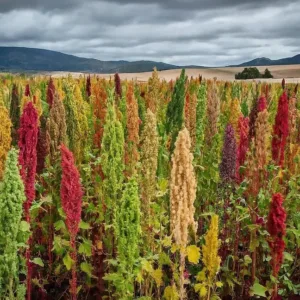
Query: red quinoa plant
x=281, y=130
x=262, y=103
x=28, y=134
x=243, y=126
x=71, y=198
x=27, y=90
x=277, y=228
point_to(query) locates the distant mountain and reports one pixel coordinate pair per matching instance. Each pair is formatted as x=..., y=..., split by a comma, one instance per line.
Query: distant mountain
x=263, y=61
x=20, y=59
x=29, y=59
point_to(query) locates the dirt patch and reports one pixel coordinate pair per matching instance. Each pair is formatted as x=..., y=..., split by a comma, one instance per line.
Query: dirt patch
x=290, y=72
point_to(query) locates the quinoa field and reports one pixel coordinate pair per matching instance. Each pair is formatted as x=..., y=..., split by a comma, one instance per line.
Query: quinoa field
x=120, y=189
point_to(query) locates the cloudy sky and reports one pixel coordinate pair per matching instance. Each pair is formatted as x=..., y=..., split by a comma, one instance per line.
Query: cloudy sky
x=200, y=32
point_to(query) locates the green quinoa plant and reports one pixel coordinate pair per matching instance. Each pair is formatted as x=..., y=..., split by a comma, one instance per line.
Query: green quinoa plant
x=12, y=196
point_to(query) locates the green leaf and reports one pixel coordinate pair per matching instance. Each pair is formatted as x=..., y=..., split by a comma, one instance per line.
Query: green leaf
x=79, y=288
x=38, y=261
x=22, y=245
x=247, y=260
x=254, y=243
x=157, y=276
x=259, y=290
x=61, y=212
x=163, y=184
x=60, y=245
x=268, y=258
x=68, y=261
x=167, y=241
x=112, y=262
x=24, y=226
x=38, y=204
x=207, y=214
x=59, y=225
x=147, y=266
x=57, y=270
x=86, y=248
x=164, y=259
x=86, y=268
x=113, y=277
x=84, y=225
x=273, y=279
x=288, y=256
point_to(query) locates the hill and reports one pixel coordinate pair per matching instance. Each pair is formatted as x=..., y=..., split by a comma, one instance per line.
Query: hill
x=20, y=59
x=263, y=61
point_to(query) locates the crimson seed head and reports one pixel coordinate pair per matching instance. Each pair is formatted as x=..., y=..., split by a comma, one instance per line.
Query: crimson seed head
x=70, y=191
x=262, y=103
x=277, y=216
x=27, y=90
x=243, y=126
x=276, y=227
x=259, y=220
x=281, y=130
x=28, y=134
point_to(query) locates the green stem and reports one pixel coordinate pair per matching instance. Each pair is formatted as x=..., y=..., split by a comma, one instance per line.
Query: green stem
x=11, y=292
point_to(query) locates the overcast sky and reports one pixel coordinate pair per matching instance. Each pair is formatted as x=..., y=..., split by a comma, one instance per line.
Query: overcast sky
x=200, y=32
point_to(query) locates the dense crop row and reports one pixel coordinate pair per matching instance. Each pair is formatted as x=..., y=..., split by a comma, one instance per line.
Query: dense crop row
x=117, y=189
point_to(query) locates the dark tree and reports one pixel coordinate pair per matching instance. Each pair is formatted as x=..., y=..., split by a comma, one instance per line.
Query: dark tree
x=267, y=74
x=253, y=73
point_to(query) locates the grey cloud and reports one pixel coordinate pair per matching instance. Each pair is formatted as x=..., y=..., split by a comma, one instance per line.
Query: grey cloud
x=45, y=5
x=184, y=5
x=206, y=4
x=180, y=32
